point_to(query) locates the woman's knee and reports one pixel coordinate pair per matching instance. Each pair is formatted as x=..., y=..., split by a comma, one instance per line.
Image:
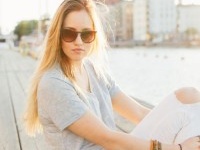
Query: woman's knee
x=188, y=95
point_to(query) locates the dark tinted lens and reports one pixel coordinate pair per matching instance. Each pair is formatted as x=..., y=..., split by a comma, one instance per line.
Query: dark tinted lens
x=88, y=36
x=69, y=35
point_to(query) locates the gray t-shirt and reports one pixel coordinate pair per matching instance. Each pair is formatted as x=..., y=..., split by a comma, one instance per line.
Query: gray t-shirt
x=59, y=105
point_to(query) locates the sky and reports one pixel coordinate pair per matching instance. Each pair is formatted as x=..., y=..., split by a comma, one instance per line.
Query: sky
x=13, y=11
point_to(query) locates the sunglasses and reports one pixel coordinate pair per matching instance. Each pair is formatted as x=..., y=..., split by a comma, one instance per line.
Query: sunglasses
x=69, y=35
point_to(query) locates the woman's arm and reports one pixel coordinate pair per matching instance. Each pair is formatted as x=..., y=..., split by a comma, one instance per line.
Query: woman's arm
x=129, y=108
x=92, y=129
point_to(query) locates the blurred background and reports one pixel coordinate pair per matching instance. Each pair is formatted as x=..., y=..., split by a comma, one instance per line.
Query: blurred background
x=155, y=49
x=128, y=22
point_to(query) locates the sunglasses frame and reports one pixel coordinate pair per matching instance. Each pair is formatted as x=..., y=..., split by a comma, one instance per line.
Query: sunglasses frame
x=77, y=33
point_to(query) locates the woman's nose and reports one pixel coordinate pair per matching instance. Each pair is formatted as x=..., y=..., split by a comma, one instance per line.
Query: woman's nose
x=78, y=39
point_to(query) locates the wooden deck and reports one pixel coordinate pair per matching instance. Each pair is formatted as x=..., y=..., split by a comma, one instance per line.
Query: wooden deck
x=15, y=70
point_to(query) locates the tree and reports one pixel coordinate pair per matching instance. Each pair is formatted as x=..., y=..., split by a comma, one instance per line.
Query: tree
x=25, y=28
x=191, y=33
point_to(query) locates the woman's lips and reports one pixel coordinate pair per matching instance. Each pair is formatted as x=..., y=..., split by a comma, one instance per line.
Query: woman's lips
x=77, y=49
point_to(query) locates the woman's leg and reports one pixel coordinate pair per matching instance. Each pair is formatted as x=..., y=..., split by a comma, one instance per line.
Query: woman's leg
x=188, y=95
x=171, y=117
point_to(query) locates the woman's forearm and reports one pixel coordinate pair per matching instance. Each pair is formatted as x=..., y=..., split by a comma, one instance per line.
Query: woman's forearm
x=122, y=141
x=129, y=108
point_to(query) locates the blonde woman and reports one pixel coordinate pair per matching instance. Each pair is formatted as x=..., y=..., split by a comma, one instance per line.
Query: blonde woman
x=71, y=98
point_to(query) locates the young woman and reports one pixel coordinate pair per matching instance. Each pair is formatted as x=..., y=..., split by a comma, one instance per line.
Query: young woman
x=72, y=97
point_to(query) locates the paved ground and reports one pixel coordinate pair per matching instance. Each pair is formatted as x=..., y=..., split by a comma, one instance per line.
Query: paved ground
x=15, y=71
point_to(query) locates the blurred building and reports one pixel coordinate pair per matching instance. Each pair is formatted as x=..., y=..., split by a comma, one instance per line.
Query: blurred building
x=6, y=41
x=140, y=21
x=125, y=24
x=121, y=21
x=162, y=19
x=188, y=18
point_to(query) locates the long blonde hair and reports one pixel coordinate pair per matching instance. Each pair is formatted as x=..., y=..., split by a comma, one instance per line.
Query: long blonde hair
x=53, y=54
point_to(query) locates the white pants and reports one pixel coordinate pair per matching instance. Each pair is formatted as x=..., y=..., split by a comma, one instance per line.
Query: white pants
x=170, y=122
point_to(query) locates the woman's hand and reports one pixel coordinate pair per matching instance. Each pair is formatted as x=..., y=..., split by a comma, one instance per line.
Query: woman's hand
x=191, y=144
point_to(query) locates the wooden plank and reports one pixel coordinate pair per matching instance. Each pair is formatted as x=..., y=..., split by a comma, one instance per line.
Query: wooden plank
x=8, y=133
x=1, y=63
x=26, y=69
x=23, y=78
x=14, y=62
x=25, y=63
x=18, y=73
x=23, y=68
x=18, y=98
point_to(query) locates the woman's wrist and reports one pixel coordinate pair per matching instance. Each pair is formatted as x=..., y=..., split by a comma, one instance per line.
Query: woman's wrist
x=175, y=147
x=170, y=147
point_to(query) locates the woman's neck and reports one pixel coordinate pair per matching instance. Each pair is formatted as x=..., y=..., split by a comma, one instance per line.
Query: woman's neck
x=81, y=76
x=78, y=67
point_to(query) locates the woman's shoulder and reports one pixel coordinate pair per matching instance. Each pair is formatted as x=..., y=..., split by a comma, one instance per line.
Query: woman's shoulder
x=188, y=95
x=91, y=67
x=53, y=75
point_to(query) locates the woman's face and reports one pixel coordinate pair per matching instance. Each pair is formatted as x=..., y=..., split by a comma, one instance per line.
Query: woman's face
x=74, y=47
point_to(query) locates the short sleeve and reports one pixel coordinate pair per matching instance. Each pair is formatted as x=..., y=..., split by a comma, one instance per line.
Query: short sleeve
x=112, y=85
x=60, y=100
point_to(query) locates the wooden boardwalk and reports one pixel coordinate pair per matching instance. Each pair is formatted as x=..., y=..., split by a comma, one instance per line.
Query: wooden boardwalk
x=15, y=70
